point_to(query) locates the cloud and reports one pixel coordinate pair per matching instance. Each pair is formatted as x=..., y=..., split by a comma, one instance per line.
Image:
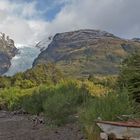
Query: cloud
x=24, y=21
x=21, y=20
x=120, y=17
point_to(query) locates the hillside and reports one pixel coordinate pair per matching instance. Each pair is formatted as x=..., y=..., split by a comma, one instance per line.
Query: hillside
x=7, y=51
x=84, y=52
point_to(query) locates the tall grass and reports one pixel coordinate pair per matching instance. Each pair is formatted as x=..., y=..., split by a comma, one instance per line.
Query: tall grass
x=107, y=107
x=33, y=103
x=67, y=98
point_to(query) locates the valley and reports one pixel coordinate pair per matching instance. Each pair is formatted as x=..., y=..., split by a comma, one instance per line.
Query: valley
x=59, y=88
x=69, y=70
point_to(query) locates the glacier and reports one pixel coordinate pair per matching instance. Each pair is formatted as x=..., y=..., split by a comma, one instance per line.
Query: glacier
x=23, y=60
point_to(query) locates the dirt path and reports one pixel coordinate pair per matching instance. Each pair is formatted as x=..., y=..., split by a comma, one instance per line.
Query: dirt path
x=21, y=127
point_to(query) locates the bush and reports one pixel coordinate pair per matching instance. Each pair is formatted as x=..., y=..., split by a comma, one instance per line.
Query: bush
x=58, y=109
x=95, y=89
x=33, y=103
x=67, y=98
x=130, y=76
x=107, y=107
x=10, y=98
x=41, y=74
x=5, y=81
x=106, y=81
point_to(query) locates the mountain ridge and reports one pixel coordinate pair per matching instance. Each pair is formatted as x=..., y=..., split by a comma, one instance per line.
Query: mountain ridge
x=84, y=52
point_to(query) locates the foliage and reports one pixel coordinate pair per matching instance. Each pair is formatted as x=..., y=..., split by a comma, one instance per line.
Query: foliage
x=44, y=74
x=33, y=103
x=5, y=81
x=40, y=74
x=66, y=99
x=43, y=89
x=130, y=76
x=106, y=81
x=95, y=89
x=107, y=107
x=10, y=98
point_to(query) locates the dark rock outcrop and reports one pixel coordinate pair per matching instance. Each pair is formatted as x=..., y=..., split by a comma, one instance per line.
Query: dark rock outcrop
x=84, y=52
x=7, y=51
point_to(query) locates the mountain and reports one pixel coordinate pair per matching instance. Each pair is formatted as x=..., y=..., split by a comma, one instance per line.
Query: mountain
x=7, y=52
x=83, y=52
x=42, y=45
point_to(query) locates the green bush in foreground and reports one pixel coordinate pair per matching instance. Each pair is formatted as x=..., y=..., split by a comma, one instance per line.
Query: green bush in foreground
x=61, y=107
x=10, y=98
x=33, y=103
x=69, y=101
x=130, y=76
x=107, y=107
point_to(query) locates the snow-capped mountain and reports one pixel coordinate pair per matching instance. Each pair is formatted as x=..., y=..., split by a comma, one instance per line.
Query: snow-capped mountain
x=26, y=56
x=43, y=44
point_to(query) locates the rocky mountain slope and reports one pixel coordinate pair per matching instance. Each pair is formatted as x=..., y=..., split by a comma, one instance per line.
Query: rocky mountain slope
x=7, y=51
x=84, y=52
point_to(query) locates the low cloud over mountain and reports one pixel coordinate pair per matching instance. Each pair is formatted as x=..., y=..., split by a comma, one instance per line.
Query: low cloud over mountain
x=28, y=21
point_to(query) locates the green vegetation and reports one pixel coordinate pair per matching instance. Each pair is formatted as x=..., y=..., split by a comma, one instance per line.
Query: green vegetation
x=45, y=89
x=10, y=97
x=130, y=76
x=40, y=74
x=65, y=101
x=108, y=107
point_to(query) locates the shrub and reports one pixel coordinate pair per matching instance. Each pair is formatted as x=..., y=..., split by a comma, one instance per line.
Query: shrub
x=95, y=89
x=5, y=81
x=67, y=98
x=106, y=81
x=130, y=76
x=41, y=74
x=107, y=107
x=33, y=103
x=11, y=98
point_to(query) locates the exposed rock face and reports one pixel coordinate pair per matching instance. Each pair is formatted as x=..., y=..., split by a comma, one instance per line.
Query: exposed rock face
x=136, y=39
x=7, y=51
x=84, y=52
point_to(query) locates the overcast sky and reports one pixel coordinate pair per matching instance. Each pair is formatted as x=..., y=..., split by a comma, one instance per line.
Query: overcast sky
x=28, y=21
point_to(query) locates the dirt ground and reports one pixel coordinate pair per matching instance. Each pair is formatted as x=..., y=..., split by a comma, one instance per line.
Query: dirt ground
x=25, y=127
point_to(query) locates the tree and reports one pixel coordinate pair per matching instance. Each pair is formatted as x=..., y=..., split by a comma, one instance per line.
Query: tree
x=130, y=76
x=44, y=74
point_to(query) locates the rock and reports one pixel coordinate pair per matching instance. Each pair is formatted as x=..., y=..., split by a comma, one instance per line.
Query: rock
x=7, y=51
x=136, y=39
